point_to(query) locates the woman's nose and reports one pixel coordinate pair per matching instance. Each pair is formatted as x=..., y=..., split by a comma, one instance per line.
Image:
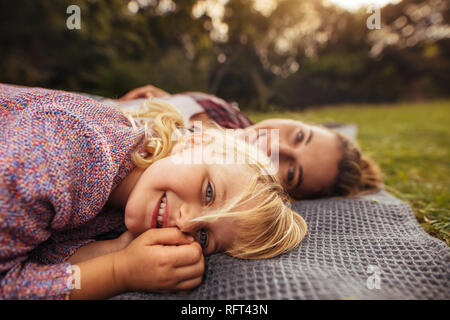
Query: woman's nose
x=285, y=150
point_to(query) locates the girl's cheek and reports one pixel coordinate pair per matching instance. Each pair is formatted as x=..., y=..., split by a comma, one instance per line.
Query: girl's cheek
x=134, y=214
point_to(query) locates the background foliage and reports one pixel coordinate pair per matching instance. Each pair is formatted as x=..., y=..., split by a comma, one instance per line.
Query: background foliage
x=291, y=53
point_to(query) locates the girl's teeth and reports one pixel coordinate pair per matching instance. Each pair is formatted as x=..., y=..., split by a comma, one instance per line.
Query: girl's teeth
x=162, y=207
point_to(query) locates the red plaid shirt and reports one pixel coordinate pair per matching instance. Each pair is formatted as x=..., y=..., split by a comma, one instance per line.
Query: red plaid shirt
x=222, y=112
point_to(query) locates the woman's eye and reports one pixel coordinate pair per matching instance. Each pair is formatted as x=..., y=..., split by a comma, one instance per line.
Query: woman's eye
x=299, y=137
x=290, y=175
x=209, y=194
x=203, y=238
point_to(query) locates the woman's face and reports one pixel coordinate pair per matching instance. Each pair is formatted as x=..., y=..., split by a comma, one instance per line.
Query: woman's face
x=170, y=194
x=308, y=155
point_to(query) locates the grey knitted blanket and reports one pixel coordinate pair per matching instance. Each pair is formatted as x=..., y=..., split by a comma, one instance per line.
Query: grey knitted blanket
x=369, y=247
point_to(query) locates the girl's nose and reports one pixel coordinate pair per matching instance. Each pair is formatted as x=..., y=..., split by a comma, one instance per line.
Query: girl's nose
x=184, y=216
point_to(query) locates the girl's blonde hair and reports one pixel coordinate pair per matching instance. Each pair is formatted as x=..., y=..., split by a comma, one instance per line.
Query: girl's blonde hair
x=162, y=125
x=269, y=227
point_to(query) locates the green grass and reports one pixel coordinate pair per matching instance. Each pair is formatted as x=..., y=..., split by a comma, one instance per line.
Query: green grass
x=410, y=142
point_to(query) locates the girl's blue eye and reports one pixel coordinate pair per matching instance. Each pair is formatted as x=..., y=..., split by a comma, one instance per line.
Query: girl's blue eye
x=203, y=240
x=209, y=194
x=299, y=137
x=290, y=176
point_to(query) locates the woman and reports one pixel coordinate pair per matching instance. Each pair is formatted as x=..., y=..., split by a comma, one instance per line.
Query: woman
x=314, y=161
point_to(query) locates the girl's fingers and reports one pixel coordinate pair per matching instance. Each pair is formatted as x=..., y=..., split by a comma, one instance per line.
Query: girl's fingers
x=186, y=255
x=189, y=272
x=166, y=236
x=188, y=284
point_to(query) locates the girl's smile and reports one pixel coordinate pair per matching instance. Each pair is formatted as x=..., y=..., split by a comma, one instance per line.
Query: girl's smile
x=160, y=213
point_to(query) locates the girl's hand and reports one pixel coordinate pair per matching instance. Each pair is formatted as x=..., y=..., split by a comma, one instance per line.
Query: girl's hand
x=159, y=260
x=147, y=91
x=100, y=248
x=124, y=240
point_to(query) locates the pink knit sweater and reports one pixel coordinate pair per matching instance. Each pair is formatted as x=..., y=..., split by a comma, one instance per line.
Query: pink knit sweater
x=61, y=155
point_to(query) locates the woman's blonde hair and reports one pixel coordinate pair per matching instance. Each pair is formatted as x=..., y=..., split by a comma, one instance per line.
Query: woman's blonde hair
x=269, y=226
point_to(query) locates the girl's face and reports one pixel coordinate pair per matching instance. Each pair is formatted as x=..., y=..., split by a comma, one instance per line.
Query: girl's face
x=170, y=194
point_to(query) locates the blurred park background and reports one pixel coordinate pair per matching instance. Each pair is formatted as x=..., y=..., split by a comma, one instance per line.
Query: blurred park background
x=305, y=59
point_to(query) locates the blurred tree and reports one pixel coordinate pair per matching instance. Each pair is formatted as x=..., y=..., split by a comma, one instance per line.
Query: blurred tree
x=114, y=51
x=290, y=53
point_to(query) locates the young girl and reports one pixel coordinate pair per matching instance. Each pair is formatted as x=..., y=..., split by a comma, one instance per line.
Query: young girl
x=68, y=167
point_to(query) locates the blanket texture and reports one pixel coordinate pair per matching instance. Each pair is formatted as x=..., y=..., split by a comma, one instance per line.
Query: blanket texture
x=370, y=247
